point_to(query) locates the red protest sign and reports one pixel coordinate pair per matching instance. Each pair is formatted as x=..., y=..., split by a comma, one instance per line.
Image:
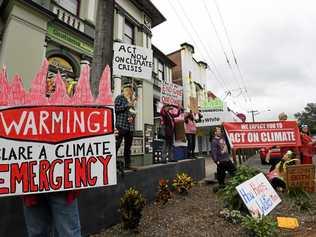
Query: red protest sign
x=55, y=124
x=171, y=94
x=263, y=134
x=56, y=143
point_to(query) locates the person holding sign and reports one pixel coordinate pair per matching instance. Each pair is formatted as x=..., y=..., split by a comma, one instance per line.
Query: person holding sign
x=220, y=155
x=306, y=149
x=52, y=213
x=190, y=131
x=125, y=122
x=168, y=125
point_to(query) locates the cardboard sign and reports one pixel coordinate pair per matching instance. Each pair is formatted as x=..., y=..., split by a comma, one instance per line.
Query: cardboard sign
x=171, y=94
x=258, y=195
x=56, y=143
x=132, y=61
x=194, y=105
x=179, y=131
x=213, y=117
x=263, y=134
x=287, y=222
x=301, y=176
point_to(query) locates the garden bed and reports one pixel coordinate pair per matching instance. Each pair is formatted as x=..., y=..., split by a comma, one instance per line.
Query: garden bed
x=193, y=215
x=198, y=215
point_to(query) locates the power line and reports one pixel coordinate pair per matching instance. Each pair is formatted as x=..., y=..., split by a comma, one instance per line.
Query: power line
x=221, y=82
x=232, y=49
x=208, y=52
x=220, y=42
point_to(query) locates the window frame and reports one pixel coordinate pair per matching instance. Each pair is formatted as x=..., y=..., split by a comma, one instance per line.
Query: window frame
x=67, y=10
x=132, y=26
x=163, y=70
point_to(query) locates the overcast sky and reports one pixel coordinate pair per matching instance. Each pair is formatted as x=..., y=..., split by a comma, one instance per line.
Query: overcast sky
x=275, y=44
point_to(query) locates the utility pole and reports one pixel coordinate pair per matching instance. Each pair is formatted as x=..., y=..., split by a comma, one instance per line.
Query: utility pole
x=103, y=42
x=253, y=113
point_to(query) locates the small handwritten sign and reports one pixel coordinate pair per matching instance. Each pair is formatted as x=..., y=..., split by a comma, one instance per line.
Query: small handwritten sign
x=301, y=176
x=258, y=195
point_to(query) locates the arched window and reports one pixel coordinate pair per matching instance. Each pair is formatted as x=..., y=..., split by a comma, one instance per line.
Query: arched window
x=67, y=71
x=70, y=5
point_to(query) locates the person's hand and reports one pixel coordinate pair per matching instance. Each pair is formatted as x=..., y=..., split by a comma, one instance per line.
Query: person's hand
x=130, y=119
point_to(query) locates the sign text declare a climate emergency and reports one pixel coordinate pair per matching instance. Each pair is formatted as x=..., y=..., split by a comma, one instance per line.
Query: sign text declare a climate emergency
x=262, y=133
x=44, y=149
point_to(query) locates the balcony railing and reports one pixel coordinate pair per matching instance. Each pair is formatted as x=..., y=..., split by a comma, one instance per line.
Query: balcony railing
x=68, y=18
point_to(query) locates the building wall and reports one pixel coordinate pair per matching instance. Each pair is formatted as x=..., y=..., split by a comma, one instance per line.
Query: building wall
x=22, y=48
x=192, y=72
x=176, y=70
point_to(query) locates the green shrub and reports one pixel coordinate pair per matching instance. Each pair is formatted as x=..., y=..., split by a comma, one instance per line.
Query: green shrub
x=264, y=226
x=229, y=194
x=164, y=194
x=182, y=183
x=300, y=199
x=232, y=216
x=131, y=206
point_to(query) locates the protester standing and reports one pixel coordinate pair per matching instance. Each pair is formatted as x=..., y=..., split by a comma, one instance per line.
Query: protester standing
x=306, y=150
x=50, y=213
x=125, y=122
x=168, y=126
x=220, y=155
x=190, y=133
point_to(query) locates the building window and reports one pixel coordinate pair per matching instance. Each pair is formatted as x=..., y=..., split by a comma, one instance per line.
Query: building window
x=67, y=71
x=129, y=35
x=70, y=5
x=161, y=71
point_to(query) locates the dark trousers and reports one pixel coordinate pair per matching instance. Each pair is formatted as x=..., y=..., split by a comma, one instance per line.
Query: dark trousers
x=273, y=162
x=191, y=144
x=127, y=135
x=222, y=167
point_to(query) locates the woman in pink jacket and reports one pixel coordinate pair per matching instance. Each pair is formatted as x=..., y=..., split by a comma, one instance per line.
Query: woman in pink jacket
x=190, y=132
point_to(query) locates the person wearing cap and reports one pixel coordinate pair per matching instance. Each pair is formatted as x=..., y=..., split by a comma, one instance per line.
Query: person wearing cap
x=125, y=122
x=306, y=150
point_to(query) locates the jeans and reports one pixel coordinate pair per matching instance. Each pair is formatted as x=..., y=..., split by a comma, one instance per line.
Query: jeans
x=53, y=217
x=222, y=167
x=167, y=151
x=128, y=140
x=191, y=144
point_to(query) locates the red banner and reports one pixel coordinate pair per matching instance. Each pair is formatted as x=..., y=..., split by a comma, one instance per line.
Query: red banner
x=263, y=134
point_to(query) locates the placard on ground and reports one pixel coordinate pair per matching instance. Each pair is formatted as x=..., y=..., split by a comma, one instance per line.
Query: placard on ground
x=301, y=176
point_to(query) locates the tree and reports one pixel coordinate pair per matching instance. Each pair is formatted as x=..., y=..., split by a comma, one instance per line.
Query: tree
x=103, y=42
x=308, y=117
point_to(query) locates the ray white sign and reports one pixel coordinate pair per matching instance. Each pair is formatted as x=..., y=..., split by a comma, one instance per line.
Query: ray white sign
x=132, y=61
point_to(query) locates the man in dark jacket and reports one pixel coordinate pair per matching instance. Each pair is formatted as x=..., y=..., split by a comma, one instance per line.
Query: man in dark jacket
x=125, y=122
x=221, y=157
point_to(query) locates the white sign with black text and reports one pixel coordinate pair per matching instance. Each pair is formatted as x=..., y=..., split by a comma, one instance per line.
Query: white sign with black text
x=132, y=61
x=258, y=195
